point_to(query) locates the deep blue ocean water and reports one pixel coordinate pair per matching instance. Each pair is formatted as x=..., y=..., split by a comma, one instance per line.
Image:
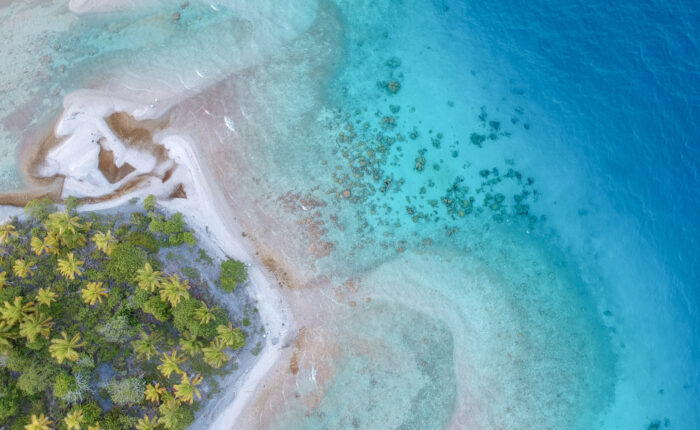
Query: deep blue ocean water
x=619, y=84
x=565, y=295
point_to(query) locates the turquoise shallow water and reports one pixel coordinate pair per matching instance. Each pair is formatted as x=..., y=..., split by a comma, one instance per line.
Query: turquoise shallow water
x=520, y=208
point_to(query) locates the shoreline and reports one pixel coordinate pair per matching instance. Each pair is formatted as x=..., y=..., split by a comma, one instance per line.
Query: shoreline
x=201, y=214
x=274, y=311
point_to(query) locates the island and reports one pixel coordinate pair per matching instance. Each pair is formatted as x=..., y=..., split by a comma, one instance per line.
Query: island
x=115, y=319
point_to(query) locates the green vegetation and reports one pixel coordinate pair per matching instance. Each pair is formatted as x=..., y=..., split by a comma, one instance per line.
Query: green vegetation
x=233, y=272
x=97, y=331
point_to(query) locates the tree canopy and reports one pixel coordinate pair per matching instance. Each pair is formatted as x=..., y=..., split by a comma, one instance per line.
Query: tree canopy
x=85, y=296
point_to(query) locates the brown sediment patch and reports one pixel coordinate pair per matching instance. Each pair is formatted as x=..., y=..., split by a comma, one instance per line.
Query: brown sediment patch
x=109, y=168
x=301, y=337
x=312, y=224
x=347, y=290
x=138, y=134
x=295, y=202
x=34, y=150
x=32, y=154
x=133, y=133
x=179, y=192
x=294, y=363
x=315, y=230
x=276, y=269
x=169, y=173
x=51, y=190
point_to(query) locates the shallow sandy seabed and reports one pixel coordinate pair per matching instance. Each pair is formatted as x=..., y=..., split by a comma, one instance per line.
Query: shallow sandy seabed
x=235, y=159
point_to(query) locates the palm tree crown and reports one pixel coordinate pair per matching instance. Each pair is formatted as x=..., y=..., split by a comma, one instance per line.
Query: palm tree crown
x=3, y=280
x=214, y=354
x=64, y=348
x=69, y=266
x=7, y=333
x=153, y=392
x=230, y=336
x=147, y=423
x=105, y=241
x=51, y=243
x=170, y=363
x=203, y=314
x=6, y=232
x=169, y=413
x=187, y=389
x=174, y=290
x=62, y=223
x=146, y=345
x=39, y=423
x=74, y=419
x=147, y=278
x=15, y=312
x=35, y=325
x=191, y=344
x=45, y=296
x=93, y=292
x=22, y=268
x=38, y=246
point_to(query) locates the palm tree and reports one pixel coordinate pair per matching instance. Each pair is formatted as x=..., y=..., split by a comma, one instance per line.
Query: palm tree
x=66, y=229
x=203, y=314
x=214, y=354
x=73, y=240
x=187, y=389
x=6, y=232
x=169, y=413
x=39, y=423
x=65, y=349
x=93, y=292
x=153, y=392
x=174, y=290
x=51, y=243
x=45, y=296
x=147, y=423
x=95, y=427
x=22, y=268
x=3, y=280
x=69, y=266
x=105, y=241
x=230, y=336
x=191, y=344
x=61, y=223
x=35, y=325
x=74, y=419
x=147, y=278
x=170, y=364
x=15, y=312
x=38, y=246
x=7, y=334
x=146, y=345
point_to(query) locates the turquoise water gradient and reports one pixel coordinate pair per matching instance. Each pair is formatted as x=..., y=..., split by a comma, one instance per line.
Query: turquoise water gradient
x=522, y=209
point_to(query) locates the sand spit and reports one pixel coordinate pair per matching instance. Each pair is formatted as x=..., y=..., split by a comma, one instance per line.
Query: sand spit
x=106, y=151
